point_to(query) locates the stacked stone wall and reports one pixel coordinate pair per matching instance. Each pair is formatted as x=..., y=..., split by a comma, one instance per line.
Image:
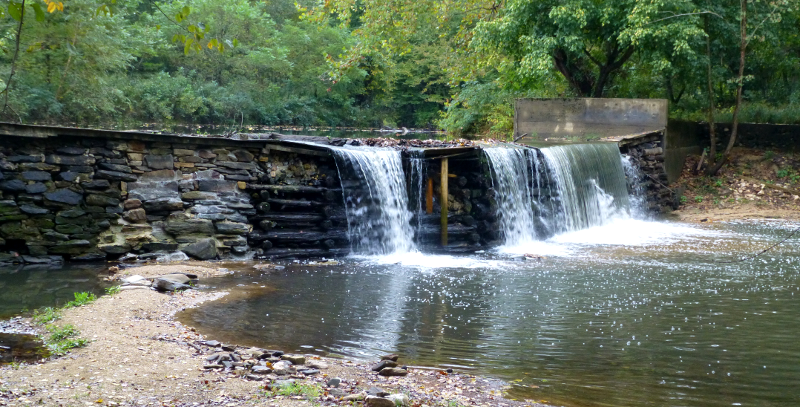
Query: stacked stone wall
x=646, y=153
x=73, y=198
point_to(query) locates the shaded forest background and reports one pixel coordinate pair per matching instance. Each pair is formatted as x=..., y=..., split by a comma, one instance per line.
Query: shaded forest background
x=450, y=64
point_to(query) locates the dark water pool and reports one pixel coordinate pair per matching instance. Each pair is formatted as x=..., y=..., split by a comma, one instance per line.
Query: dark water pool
x=631, y=314
x=26, y=288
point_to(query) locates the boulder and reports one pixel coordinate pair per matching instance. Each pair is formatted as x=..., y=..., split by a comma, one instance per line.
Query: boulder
x=36, y=176
x=70, y=160
x=159, y=162
x=132, y=204
x=203, y=249
x=372, y=401
x=232, y=228
x=35, y=188
x=115, y=176
x=12, y=185
x=163, y=205
x=101, y=200
x=71, y=151
x=65, y=196
x=182, y=224
x=135, y=216
x=399, y=399
x=172, y=282
x=32, y=158
x=31, y=209
x=197, y=196
x=393, y=371
x=95, y=184
x=382, y=365
x=115, y=167
x=295, y=359
x=243, y=155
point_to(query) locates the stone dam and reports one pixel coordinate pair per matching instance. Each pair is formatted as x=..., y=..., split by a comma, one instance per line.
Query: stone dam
x=69, y=194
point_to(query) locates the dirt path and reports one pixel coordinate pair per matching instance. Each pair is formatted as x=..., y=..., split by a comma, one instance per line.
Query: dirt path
x=139, y=355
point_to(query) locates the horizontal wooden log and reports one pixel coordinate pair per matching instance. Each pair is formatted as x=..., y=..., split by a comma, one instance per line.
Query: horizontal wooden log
x=453, y=229
x=283, y=253
x=291, y=189
x=304, y=236
x=290, y=217
x=295, y=203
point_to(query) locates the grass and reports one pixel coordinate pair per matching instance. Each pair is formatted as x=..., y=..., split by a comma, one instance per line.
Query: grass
x=61, y=339
x=309, y=391
x=81, y=299
x=64, y=338
x=114, y=289
x=46, y=315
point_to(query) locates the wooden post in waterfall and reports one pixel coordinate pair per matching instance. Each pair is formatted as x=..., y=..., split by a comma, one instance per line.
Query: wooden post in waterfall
x=444, y=200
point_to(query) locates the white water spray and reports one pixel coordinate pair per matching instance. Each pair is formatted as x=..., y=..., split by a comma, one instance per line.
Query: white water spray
x=376, y=200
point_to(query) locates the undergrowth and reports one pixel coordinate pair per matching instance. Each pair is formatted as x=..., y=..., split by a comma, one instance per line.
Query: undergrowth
x=61, y=339
x=309, y=391
x=64, y=338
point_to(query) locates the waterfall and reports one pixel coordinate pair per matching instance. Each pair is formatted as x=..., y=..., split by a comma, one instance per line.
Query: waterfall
x=418, y=170
x=376, y=201
x=511, y=180
x=542, y=192
x=590, y=182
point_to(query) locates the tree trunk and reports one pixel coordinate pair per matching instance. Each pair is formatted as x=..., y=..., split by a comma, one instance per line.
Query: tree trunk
x=14, y=59
x=712, y=130
x=739, y=86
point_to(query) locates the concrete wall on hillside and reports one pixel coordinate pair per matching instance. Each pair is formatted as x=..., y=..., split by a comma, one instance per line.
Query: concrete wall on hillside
x=588, y=119
x=682, y=139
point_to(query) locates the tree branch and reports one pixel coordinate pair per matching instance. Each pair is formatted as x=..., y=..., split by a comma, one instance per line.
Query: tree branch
x=684, y=15
x=14, y=59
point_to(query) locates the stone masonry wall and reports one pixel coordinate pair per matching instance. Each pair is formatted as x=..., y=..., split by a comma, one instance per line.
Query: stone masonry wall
x=78, y=198
x=646, y=153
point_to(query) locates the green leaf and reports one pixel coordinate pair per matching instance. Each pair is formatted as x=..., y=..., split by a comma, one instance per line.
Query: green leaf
x=187, y=46
x=178, y=17
x=185, y=11
x=37, y=9
x=235, y=42
x=15, y=10
x=175, y=38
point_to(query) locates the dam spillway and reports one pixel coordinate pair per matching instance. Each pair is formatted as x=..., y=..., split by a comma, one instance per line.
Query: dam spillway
x=80, y=194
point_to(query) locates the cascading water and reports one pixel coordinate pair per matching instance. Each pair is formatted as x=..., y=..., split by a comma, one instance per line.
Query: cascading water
x=419, y=167
x=511, y=178
x=590, y=182
x=376, y=201
x=557, y=189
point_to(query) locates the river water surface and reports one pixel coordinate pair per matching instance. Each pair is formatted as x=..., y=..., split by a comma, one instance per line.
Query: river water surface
x=629, y=314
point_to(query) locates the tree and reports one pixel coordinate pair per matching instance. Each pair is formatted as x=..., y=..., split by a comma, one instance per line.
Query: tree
x=765, y=12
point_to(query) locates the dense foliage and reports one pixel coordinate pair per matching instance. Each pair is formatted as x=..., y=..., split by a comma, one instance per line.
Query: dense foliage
x=455, y=64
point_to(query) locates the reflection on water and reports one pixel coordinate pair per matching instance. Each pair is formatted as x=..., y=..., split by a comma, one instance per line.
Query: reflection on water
x=35, y=286
x=603, y=323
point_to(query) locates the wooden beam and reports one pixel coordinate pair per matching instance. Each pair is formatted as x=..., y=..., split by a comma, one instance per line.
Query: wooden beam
x=299, y=150
x=429, y=197
x=444, y=200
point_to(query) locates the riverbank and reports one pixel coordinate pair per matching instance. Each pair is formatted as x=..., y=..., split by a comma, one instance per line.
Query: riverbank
x=755, y=184
x=139, y=354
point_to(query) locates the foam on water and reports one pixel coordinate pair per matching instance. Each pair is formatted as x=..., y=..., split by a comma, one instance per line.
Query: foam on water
x=618, y=232
x=424, y=261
